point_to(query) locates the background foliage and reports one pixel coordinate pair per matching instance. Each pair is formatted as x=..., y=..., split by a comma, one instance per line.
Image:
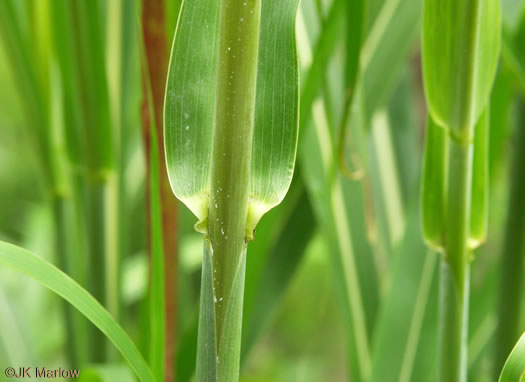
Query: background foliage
x=339, y=284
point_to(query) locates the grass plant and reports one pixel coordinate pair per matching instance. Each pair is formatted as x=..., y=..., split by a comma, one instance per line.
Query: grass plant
x=259, y=204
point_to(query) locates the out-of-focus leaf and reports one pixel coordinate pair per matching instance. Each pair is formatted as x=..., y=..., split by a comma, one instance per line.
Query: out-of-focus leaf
x=513, y=254
x=500, y=105
x=405, y=345
x=190, y=107
x=93, y=85
x=391, y=35
x=511, y=11
x=106, y=373
x=514, y=368
x=479, y=204
x=352, y=246
x=275, y=274
x=17, y=43
x=46, y=274
x=461, y=43
x=11, y=336
x=513, y=54
x=318, y=59
x=434, y=184
x=355, y=29
x=385, y=178
x=344, y=228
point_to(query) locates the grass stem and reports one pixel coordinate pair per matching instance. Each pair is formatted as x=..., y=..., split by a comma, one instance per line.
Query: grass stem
x=239, y=25
x=97, y=250
x=232, y=140
x=455, y=270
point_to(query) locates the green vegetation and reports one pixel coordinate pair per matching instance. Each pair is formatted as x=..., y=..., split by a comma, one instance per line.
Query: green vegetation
x=263, y=190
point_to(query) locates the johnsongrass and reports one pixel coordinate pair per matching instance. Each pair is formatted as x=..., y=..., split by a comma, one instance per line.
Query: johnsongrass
x=460, y=54
x=231, y=123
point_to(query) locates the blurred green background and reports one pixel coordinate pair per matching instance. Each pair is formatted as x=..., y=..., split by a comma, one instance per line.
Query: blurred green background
x=296, y=320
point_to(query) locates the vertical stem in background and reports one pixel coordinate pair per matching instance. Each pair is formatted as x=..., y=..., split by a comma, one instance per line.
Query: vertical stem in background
x=511, y=288
x=99, y=143
x=455, y=268
x=154, y=32
x=97, y=265
x=61, y=234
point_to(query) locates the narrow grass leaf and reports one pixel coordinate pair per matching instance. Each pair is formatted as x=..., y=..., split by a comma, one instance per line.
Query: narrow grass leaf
x=320, y=56
x=514, y=368
x=355, y=29
x=55, y=280
x=392, y=34
x=406, y=342
x=345, y=231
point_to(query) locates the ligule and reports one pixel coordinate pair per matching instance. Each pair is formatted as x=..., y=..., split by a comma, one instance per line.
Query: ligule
x=434, y=185
x=480, y=187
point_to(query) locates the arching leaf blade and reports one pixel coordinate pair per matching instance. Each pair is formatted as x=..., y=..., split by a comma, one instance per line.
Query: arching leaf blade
x=58, y=282
x=514, y=368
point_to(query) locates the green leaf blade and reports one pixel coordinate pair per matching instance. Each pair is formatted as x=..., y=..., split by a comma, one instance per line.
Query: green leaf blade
x=277, y=109
x=57, y=281
x=190, y=107
x=189, y=104
x=514, y=368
